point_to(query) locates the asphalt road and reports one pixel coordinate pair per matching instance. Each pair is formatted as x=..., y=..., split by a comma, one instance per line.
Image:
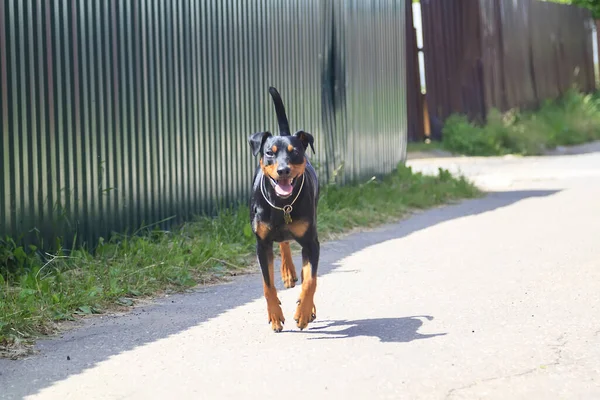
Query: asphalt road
x=494, y=298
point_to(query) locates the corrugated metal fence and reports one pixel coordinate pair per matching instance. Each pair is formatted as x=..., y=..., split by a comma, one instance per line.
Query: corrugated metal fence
x=483, y=54
x=117, y=114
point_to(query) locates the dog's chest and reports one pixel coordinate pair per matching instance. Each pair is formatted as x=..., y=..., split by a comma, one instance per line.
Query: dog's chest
x=279, y=231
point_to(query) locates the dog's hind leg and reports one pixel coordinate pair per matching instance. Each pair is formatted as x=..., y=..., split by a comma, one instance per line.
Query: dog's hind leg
x=288, y=270
x=264, y=251
x=306, y=311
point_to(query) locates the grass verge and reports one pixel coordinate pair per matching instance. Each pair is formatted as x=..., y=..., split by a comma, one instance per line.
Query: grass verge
x=571, y=120
x=418, y=147
x=41, y=289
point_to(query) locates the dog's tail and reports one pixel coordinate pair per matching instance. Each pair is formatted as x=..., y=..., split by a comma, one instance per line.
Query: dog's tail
x=284, y=126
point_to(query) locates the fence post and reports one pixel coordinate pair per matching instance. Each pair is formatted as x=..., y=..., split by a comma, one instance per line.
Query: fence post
x=413, y=82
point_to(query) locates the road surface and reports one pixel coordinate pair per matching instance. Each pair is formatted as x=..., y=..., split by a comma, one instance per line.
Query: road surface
x=493, y=298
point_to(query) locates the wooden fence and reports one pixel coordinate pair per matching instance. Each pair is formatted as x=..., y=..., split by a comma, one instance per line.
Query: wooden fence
x=483, y=54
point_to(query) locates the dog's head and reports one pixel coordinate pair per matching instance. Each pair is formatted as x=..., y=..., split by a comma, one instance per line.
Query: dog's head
x=282, y=158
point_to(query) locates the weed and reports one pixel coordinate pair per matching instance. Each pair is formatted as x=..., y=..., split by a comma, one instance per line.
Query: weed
x=572, y=119
x=462, y=136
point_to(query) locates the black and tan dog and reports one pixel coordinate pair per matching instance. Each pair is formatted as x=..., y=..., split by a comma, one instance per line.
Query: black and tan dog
x=283, y=207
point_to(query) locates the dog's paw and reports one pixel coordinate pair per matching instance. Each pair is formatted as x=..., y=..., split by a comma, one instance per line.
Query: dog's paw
x=306, y=312
x=276, y=318
x=289, y=278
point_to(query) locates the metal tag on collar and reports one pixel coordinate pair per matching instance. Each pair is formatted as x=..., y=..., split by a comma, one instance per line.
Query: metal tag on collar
x=286, y=214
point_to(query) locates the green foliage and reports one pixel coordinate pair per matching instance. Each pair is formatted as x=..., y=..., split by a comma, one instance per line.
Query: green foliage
x=461, y=136
x=14, y=258
x=593, y=5
x=36, y=292
x=573, y=119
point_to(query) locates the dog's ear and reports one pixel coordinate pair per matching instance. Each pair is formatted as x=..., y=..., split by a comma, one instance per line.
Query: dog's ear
x=257, y=140
x=306, y=139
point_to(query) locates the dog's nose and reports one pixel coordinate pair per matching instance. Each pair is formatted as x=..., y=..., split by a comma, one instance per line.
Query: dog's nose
x=283, y=172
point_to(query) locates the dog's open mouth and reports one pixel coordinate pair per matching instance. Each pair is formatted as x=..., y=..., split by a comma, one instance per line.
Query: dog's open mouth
x=283, y=186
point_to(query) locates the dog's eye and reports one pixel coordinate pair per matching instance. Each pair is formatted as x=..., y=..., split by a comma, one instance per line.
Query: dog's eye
x=269, y=153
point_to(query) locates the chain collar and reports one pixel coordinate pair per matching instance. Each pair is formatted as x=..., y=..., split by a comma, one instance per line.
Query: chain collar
x=287, y=209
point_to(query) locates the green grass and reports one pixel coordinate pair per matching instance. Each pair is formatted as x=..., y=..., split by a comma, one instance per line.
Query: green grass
x=431, y=145
x=571, y=120
x=41, y=289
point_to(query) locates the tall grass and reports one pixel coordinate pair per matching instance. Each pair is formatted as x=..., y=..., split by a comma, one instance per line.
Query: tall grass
x=573, y=119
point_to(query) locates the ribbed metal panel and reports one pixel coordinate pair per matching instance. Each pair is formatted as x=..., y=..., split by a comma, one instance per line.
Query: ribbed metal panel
x=374, y=137
x=116, y=114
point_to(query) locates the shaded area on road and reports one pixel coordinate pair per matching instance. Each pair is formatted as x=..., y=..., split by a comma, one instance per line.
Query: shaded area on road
x=387, y=330
x=586, y=148
x=101, y=338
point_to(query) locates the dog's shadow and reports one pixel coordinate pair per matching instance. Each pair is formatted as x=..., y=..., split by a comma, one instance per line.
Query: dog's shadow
x=388, y=330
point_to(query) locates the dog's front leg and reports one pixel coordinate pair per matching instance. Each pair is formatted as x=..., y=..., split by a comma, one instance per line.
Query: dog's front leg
x=264, y=252
x=306, y=311
x=288, y=270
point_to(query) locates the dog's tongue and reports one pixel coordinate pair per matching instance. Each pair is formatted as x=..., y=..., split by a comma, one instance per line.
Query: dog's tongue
x=284, y=187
